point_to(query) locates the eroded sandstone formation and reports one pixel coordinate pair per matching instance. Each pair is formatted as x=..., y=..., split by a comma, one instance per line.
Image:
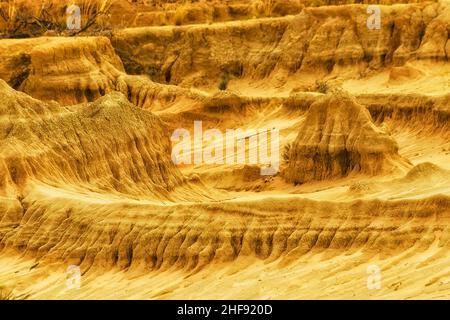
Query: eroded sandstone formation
x=68, y=70
x=326, y=40
x=338, y=138
x=108, y=146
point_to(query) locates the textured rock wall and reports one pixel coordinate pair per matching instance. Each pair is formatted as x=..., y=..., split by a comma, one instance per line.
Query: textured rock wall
x=323, y=40
x=69, y=70
x=338, y=138
x=190, y=237
x=107, y=146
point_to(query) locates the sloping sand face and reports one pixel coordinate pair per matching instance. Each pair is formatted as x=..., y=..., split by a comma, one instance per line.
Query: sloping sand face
x=360, y=207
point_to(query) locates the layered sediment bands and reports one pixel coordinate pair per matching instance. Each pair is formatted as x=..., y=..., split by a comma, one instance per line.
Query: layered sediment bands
x=170, y=54
x=69, y=70
x=109, y=145
x=338, y=138
x=94, y=235
x=325, y=39
x=422, y=113
x=183, y=13
x=181, y=104
x=432, y=113
x=215, y=11
x=146, y=94
x=157, y=13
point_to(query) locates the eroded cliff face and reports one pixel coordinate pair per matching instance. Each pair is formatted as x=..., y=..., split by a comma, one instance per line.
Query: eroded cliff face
x=109, y=145
x=23, y=18
x=321, y=40
x=67, y=70
x=318, y=43
x=338, y=138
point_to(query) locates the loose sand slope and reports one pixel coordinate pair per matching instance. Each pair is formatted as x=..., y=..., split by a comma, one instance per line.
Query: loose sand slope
x=86, y=176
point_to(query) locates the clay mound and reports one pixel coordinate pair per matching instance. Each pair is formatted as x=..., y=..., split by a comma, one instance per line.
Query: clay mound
x=338, y=138
x=106, y=146
x=425, y=171
x=68, y=70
